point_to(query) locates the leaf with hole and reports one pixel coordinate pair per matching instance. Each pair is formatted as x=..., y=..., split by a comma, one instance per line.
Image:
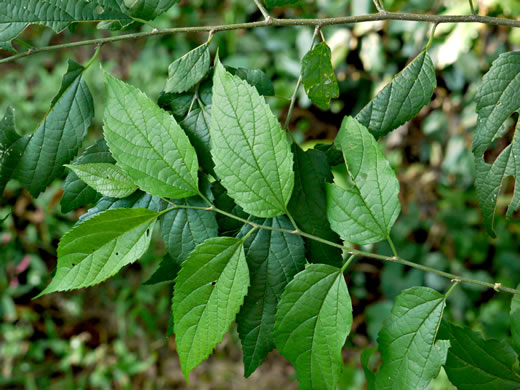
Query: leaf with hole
x=313, y=321
x=107, y=179
x=475, y=363
x=273, y=258
x=364, y=211
x=407, y=341
x=402, y=98
x=251, y=152
x=99, y=247
x=148, y=143
x=497, y=99
x=208, y=293
x=318, y=76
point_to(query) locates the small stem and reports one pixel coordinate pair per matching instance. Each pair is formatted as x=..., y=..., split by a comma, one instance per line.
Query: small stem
x=472, y=8
x=262, y=9
x=455, y=284
x=391, y=243
x=432, y=35
x=249, y=233
x=379, y=6
x=347, y=263
x=292, y=220
x=94, y=57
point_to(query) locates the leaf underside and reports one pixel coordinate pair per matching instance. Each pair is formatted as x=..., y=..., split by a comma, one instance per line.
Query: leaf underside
x=107, y=179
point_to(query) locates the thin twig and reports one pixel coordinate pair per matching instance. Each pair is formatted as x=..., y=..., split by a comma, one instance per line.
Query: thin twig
x=280, y=23
x=472, y=8
x=379, y=6
x=264, y=12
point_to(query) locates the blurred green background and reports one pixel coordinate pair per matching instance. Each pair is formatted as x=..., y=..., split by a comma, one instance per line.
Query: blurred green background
x=112, y=336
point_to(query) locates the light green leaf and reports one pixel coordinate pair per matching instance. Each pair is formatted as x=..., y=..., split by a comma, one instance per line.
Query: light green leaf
x=364, y=212
x=251, y=152
x=77, y=193
x=188, y=70
x=515, y=321
x=401, y=99
x=147, y=9
x=370, y=377
x=273, y=258
x=477, y=364
x=280, y=3
x=107, y=179
x=98, y=248
x=148, y=143
x=318, y=76
x=59, y=136
x=313, y=321
x=196, y=125
x=407, y=341
x=8, y=156
x=208, y=293
x=183, y=229
x=497, y=99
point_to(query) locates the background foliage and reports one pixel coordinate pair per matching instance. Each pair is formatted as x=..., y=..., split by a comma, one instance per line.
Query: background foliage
x=113, y=335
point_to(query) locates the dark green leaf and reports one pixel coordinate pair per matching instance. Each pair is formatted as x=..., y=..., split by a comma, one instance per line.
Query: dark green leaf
x=402, y=98
x=279, y=3
x=370, y=377
x=59, y=136
x=256, y=78
x=515, y=321
x=196, y=126
x=167, y=272
x=148, y=143
x=318, y=76
x=99, y=247
x=366, y=210
x=251, y=152
x=8, y=156
x=183, y=229
x=227, y=225
x=477, y=364
x=208, y=293
x=273, y=259
x=308, y=204
x=77, y=193
x=148, y=9
x=313, y=321
x=188, y=70
x=498, y=97
x=8, y=32
x=407, y=341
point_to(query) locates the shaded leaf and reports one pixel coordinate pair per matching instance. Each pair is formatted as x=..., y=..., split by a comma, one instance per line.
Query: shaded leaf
x=515, y=321
x=208, y=293
x=280, y=3
x=251, y=152
x=477, y=364
x=76, y=192
x=318, y=76
x=366, y=210
x=99, y=247
x=8, y=156
x=308, y=204
x=148, y=9
x=497, y=98
x=166, y=273
x=148, y=143
x=227, y=225
x=407, y=340
x=256, y=78
x=8, y=32
x=370, y=377
x=402, y=98
x=313, y=321
x=107, y=179
x=188, y=70
x=196, y=125
x=273, y=259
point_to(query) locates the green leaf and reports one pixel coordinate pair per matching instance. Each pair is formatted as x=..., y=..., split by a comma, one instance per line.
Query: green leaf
x=8, y=156
x=251, y=152
x=227, y=226
x=196, y=125
x=208, y=293
x=256, y=78
x=59, y=136
x=477, y=364
x=273, y=258
x=318, y=76
x=497, y=99
x=148, y=143
x=167, y=272
x=183, y=229
x=76, y=192
x=515, y=321
x=308, y=204
x=99, y=247
x=406, y=341
x=188, y=70
x=15, y=15
x=370, y=377
x=280, y=3
x=107, y=179
x=313, y=321
x=148, y=9
x=402, y=98
x=365, y=211
x=138, y=200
